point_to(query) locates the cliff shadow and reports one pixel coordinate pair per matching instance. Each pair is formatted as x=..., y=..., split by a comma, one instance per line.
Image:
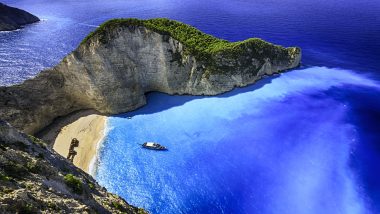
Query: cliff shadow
x=158, y=101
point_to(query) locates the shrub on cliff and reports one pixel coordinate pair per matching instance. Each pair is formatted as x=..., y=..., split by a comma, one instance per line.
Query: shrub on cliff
x=74, y=183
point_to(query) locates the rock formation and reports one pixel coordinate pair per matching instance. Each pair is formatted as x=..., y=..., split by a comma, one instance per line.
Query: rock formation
x=35, y=179
x=13, y=18
x=123, y=59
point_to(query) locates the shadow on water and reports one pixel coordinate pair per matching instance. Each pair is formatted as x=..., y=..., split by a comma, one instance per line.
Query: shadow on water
x=158, y=101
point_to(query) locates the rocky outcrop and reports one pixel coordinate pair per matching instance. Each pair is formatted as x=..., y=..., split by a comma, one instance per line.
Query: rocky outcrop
x=114, y=67
x=13, y=18
x=34, y=179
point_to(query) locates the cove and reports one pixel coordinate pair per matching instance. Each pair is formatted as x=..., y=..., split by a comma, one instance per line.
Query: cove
x=304, y=142
x=287, y=144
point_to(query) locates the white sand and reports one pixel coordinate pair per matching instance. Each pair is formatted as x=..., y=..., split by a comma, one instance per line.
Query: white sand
x=89, y=130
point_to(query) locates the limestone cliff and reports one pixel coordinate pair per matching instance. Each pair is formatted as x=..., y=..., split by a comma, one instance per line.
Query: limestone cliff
x=13, y=18
x=35, y=179
x=123, y=59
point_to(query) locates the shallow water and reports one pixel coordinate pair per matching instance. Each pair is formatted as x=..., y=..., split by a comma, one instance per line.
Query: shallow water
x=284, y=145
x=306, y=141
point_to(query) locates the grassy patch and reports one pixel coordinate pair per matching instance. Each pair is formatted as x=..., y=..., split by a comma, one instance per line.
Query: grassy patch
x=202, y=46
x=74, y=183
x=192, y=38
x=117, y=206
x=91, y=186
x=37, y=141
x=4, y=177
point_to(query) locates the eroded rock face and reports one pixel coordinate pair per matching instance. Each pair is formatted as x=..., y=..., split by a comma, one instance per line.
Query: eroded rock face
x=35, y=179
x=13, y=18
x=112, y=76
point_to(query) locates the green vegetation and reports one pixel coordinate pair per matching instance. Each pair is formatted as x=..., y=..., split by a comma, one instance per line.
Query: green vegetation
x=4, y=177
x=74, y=183
x=37, y=141
x=91, y=186
x=199, y=44
x=214, y=56
x=117, y=205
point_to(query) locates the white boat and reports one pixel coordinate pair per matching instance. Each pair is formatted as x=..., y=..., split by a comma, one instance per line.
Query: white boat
x=153, y=146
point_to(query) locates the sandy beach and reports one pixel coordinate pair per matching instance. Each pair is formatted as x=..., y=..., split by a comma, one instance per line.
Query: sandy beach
x=89, y=130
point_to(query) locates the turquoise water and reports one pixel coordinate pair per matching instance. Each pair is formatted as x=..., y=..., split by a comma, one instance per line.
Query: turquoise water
x=280, y=146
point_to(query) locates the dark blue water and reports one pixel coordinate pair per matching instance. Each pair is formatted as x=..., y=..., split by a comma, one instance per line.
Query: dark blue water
x=339, y=33
x=307, y=141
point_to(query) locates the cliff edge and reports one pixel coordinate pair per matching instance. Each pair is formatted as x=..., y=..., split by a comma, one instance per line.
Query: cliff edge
x=13, y=18
x=35, y=179
x=123, y=59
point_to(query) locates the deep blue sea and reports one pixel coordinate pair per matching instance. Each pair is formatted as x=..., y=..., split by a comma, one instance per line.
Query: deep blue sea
x=306, y=141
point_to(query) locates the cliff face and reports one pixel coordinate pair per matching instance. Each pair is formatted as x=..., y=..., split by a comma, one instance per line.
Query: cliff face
x=13, y=18
x=34, y=179
x=112, y=70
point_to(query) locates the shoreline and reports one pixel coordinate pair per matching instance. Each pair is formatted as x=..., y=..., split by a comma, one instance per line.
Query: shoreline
x=89, y=129
x=94, y=159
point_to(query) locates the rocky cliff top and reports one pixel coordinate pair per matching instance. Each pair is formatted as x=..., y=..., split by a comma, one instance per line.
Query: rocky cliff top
x=35, y=179
x=13, y=18
x=203, y=47
x=199, y=43
x=116, y=65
